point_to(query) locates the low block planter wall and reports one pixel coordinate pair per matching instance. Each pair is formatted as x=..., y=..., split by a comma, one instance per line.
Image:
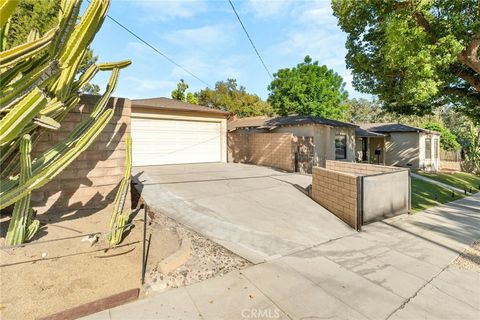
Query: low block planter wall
x=89, y=182
x=361, y=193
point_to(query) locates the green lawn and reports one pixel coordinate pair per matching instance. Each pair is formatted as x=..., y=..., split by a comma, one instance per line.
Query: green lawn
x=426, y=194
x=459, y=179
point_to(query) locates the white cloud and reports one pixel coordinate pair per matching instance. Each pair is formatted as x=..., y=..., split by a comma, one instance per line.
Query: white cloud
x=268, y=8
x=148, y=85
x=163, y=10
x=206, y=36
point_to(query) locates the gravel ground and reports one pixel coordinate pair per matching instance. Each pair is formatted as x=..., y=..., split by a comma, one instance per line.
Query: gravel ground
x=470, y=258
x=207, y=258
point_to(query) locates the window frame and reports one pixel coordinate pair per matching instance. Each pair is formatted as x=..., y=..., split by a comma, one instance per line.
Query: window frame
x=344, y=138
x=428, y=151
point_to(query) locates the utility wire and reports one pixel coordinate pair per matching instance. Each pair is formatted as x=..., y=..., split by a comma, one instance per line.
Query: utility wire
x=250, y=39
x=157, y=51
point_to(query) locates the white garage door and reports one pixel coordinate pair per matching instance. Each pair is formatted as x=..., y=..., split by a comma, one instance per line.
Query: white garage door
x=161, y=141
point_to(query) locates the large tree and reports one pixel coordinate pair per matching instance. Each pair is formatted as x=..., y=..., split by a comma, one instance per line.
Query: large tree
x=308, y=89
x=415, y=55
x=229, y=96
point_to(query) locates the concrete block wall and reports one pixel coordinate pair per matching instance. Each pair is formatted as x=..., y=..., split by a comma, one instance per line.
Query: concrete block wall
x=450, y=165
x=91, y=180
x=267, y=149
x=359, y=168
x=337, y=192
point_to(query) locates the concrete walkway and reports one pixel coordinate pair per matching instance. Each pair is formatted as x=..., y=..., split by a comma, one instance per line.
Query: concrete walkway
x=399, y=268
x=438, y=183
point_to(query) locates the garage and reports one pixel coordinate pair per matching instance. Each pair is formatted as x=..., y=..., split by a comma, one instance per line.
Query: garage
x=167, y=131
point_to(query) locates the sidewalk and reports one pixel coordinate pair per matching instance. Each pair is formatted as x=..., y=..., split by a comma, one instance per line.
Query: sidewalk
x=398, y=268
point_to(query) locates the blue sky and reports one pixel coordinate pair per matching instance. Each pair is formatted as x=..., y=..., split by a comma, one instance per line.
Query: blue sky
x=205, y=37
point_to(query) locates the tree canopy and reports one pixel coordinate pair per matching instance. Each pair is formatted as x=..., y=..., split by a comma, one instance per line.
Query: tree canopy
x=308, y=89
x=415, y=55
x=229, y=96
x=180, y=93
x=448, y=141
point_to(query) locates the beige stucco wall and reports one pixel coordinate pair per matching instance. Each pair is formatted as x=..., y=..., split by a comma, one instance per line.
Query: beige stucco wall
x=157, y=113
x=324, y=140
x=402, y=149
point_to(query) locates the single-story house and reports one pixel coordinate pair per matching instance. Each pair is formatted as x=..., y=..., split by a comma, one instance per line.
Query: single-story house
x=315, y=139
x=395, y=144
x=168, y=131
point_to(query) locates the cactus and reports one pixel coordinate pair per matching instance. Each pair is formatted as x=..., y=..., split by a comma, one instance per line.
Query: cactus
x=21, y=226
x=37, y=89
x=121, y=214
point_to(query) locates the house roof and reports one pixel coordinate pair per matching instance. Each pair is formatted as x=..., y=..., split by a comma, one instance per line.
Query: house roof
x=359, y=132
x=174, y=105
x=392, y=127
x=270, y=122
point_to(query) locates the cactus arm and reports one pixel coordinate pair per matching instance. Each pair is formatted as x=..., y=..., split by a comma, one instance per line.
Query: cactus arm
x=107, y=66
x=6, y=9
x=46, y=122
x=47, y=172
x=85, y=77
x=120, y=215
x=67, y=19
x=26, y=50
x=19, y=89
x=13, y=123
x=83, y=33
x=3, y=35
x=55, y=151
x=20, y=227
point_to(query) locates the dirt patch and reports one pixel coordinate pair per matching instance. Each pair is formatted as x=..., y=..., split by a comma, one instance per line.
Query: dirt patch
x=57, y=270
x=207, y=258
x=470, y=258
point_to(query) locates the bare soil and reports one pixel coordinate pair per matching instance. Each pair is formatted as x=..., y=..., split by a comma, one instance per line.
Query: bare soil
x=58, y=271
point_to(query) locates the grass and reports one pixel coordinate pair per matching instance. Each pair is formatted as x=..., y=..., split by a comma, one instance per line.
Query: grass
x=426, y=194
x=461, y=180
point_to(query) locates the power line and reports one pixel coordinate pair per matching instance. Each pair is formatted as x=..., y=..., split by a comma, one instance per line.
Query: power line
x=158, y=51
x=250, y=39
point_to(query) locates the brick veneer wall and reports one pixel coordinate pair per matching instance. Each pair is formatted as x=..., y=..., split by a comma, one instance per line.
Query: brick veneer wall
x=338, y=193
x=266, y=149
x=359, y=168
x=91, y=180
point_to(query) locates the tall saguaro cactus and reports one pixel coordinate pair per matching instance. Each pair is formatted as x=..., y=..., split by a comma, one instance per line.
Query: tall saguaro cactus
x=38, y=87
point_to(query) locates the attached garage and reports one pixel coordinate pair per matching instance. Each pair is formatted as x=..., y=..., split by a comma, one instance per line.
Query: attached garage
x=167, y=131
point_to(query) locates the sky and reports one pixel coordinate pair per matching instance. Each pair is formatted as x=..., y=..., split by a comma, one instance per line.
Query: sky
x=205, y=37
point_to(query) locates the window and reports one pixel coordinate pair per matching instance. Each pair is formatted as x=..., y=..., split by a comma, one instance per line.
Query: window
x=435, y=148
x=428, y=148
x=340, y=146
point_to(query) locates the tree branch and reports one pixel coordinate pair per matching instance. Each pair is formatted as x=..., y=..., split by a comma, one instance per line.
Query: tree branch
x=469, y=77
x=469, y=56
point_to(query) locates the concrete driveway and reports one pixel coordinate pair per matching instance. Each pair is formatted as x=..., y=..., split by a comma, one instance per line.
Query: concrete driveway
x=256, y=212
